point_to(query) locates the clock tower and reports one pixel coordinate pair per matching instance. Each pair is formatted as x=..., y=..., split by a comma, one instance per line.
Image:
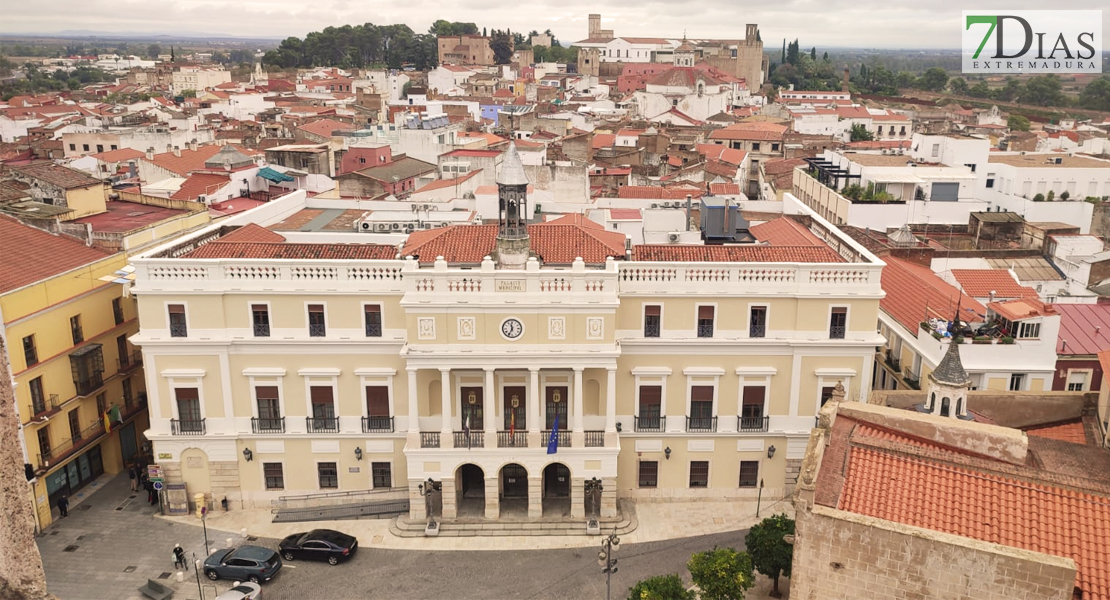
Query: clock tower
x=512, y=218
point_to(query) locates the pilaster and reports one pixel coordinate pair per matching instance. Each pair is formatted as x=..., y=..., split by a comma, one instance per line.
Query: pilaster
x=417, y=510
x=450, y=500
x=493, y=504
x=609, y=498
x=490, y=413
x=577, y=498
x=445, y=426
x=535, y=498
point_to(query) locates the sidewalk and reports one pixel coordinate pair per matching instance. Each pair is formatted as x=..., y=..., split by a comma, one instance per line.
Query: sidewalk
x=657, y=521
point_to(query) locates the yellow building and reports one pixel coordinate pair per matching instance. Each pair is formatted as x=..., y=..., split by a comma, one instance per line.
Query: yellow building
x=66, y=332
x=307, y=363
x=63, y=187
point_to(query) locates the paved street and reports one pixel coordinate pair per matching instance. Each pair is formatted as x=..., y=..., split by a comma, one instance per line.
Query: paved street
x=120, y=544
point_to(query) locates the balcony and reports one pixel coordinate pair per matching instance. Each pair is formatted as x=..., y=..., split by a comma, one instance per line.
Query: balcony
x=261, y=330
x=133, y=407
x=130, y=361
x=705, y=330
x=88, y=386
x=752, y=424
x=377, y=424
x=179, y=330
x=595, y=439
x=268, y=425
x=564, y=438
x=187, y=427
x=322, y=424
x=701, y=424
x=836, y=332
x=471, y=439
x=45, y=407
x=512, y=439
x=651, y=329
x=53, y=456
x=429, y=439
x=649, y=424
x=317, y=330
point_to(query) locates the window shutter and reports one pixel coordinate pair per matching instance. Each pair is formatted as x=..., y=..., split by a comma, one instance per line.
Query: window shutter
x=652, y=311
x=701, y=393
x=321, y=394
x=705, y=312
x=377, y=401
x=754, y=394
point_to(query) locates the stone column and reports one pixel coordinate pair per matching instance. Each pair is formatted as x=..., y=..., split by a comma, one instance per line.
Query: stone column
x=577, y=435
x=535, y=497
x=577, y=498
x=489, y=412
x=414, y=411
x=609, y=498
x=493, y=504
x=450, y=500
x=416, y=501
x=610, y=406
x=445, y=426
x=534, y=416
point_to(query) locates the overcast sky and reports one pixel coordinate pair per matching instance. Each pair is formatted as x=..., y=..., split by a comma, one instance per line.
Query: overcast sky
x=851, y=23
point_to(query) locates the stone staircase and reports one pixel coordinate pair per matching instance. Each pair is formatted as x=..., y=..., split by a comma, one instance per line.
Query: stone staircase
x=625, y=523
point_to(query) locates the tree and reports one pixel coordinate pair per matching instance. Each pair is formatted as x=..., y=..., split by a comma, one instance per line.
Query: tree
x=721, y=573
x=958, y=85
x=502, y=45
x=1043, y=91
x=1017, y=123
x=934, y=80
x=813, y=53
x=825, y=57
x=189, y=94
x=783, y=61
x=173, y=55
x=1096, y=96
x=792, y=53
x=771, y=555
x=980, y=90
x=153, y=51
x=1051, y=196
x=860, y=133
x=905, y=79
x=661, y=587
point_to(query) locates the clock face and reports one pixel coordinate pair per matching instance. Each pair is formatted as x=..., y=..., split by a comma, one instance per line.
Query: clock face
x=511, y=328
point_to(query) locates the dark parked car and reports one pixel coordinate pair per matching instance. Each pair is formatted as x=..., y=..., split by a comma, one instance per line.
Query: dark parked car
x=319, y=544
x=246, y=563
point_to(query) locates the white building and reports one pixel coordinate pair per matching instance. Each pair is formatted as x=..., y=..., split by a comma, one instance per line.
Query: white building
x=198, y=78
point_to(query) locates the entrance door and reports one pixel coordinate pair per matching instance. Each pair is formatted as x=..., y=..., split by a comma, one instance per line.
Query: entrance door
x=470, y=412
x=127, y=442
x=472, y=481
x=557, y=405
x=514, y=481
x=556, y=481
x=515, y=412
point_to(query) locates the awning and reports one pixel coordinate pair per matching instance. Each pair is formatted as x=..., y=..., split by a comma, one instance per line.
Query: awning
x=271, y=175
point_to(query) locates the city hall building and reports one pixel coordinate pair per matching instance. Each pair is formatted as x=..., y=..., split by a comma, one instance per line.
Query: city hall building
x=512, y=362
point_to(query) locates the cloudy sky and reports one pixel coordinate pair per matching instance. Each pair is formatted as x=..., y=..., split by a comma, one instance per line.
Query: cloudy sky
x=846, y=23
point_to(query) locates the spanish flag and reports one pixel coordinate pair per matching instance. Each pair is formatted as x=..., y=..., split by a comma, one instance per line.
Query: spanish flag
x=107, y=422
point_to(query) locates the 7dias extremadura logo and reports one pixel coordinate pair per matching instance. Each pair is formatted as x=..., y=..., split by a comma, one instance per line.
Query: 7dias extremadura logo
x=1032, y=41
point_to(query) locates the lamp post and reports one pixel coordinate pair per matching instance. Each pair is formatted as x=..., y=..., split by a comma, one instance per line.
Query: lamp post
x=204, y=524
x=428, y=490
x=196, y=564
x=605, y=559
x=593, y=491
x=759, y=499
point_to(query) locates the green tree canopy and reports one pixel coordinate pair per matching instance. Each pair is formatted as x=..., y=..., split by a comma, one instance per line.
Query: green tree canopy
x=958, y=85
x=153, y=50
x=1096, y=96
x=722, y=573
x=443, y=27
x=771, y=555
x=859, y=133
x=1017, y=123
x=934, y=80
x=1043, y=90
x=662, y=587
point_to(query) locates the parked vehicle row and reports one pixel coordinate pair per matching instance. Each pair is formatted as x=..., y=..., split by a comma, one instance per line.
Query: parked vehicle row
x=255, y=564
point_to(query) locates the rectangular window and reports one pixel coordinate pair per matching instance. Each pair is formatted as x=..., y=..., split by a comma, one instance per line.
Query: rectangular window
x=73, y=147
x=316, y=326
x=123, y=352
x=826, y=394
x=30, y=353
x=651, y=404
x=177, y=320
x=260, y=319
x=755, y=146
x=774, y=147
x=373, y=314
x=699, y=473
x=1017, y=382
x=100, y=147
x=1077, y=381
x=651, y=320
x=705, y=321
x=101, y=403
x=749, y=473
x=44, y=442
x=38, y=398
x=269, y=409
x=188, y=408
x=701, y=407
x=322, y=405
x=329, y=475
x=757, y=322
x=990, y=180
x=128, y=396
x=85, y=147
x=649, y=473
x=87, y=368
x=75, y=329
x=275, y=479
x=75, y=424
x=382, y=474
x=1029, y=330
x=117, y=310
x=838, y=322
x=751, y=409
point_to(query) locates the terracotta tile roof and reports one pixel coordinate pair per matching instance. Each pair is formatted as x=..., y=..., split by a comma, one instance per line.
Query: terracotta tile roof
x=440, y=184
x=1072, y=432
x=192, y=160
x=282, y=250
x=32, y=255
x=914, y=294
x=457, y=244
x=404, y=168
x=54, y=174
x=324, y=127
x=754, y=130
x=1085, y=327
x=785, y=231
x=1025, y=308
x=981, y=282
x=252, y=232
x=652, y=192
x=781, y=171
x=200, y=184
x=716, y=167
x=722, y=189
x=683, y=77
x=603, y=140
x=739, y=253
x=118, y=155
x=629, y=214
x=555, y=242
x=968, y=497
x=723, y=153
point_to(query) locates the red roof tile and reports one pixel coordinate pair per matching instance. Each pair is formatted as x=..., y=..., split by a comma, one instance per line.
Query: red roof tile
x=54, y=174
x=652, y=192
x=603, y=140
x=1086, y=327
x=785, y=231
x=751, y=130
x=440, y=184
x=118, y=155
x=723, y=189
x=192, y=160
x=324, y=127
x=555, y=242
x=723, y=153
x=1025, y=308
x=981, y=282
x=281, y=250
x=914, y=294
x=739, y=253
x=252, y=232
x=200, y=184
x=1072, y=432
x=32, y=255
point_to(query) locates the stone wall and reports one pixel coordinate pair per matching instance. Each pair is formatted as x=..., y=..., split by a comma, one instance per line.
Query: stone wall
x=845, y=555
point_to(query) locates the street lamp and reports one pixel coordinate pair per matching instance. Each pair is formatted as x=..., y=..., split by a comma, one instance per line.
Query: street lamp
x=593, y=491
x=428, y=490
x=759, y=499
x=605, y=559
x=196, y=564
x=204, y=524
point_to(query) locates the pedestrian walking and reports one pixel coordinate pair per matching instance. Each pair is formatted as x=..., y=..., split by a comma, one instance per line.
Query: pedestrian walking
x=179, y=558
x=133, y=475
x=150, y=494
x=63, y=506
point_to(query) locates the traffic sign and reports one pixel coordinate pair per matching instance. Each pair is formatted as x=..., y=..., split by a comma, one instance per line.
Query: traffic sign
x=158, y=485
x=154, y=473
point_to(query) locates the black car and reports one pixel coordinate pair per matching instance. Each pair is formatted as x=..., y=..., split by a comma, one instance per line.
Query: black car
x=319, y=544
x=246, y=563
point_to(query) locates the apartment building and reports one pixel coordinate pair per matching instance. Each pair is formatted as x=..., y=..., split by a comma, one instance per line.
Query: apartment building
x=78, y=384
x=510, y=362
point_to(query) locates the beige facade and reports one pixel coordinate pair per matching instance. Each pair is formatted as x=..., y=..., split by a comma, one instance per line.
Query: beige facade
x=458, y=373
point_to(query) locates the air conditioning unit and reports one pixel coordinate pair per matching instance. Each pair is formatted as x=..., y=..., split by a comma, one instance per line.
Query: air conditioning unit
x=444, y=224
x=409, y=228
x=655, y=205
x=365, y=226
x=672, y=237
x=396, y=225
x=383, y=226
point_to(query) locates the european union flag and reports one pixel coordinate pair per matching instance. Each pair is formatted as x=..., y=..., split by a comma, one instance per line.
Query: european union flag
x=553, y=440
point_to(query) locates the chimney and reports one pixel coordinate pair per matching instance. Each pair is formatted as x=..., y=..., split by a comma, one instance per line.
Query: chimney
x=169, y=147
x=845, y=84
x=193, y=145
x=132, y=172
x=177, y=150
x=688, y=201
x=150, y=153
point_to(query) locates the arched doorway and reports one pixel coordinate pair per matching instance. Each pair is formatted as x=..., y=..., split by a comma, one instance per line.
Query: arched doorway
x=556, y=490
x=470, y=491
x=514, y=491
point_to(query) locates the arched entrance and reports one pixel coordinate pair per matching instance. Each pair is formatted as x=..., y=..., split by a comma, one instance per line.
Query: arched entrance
x=514, y=491
x=556, y=490
x=470, y=491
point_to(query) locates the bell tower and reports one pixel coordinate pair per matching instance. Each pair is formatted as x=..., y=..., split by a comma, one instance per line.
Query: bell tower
x=513, y=243
x=949, y=384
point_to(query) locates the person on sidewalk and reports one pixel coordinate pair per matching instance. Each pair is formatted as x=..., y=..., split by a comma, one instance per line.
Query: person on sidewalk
x=151, y=495
x=179, y=558
x=133, y=475
x=63, y=506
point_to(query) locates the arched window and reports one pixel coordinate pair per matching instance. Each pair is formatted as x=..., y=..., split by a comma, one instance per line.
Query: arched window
x=945, y=405
x=932, y=401
x=959, y=406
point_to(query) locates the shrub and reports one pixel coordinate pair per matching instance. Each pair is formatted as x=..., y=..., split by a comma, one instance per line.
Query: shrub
x=1064, y=195
x=1038, y=198
x=981, y=339
x=771, y=554
x=722, y=573
x=937, y=335
x=661, y=587
x=1051, y=196
x=1007, y=340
